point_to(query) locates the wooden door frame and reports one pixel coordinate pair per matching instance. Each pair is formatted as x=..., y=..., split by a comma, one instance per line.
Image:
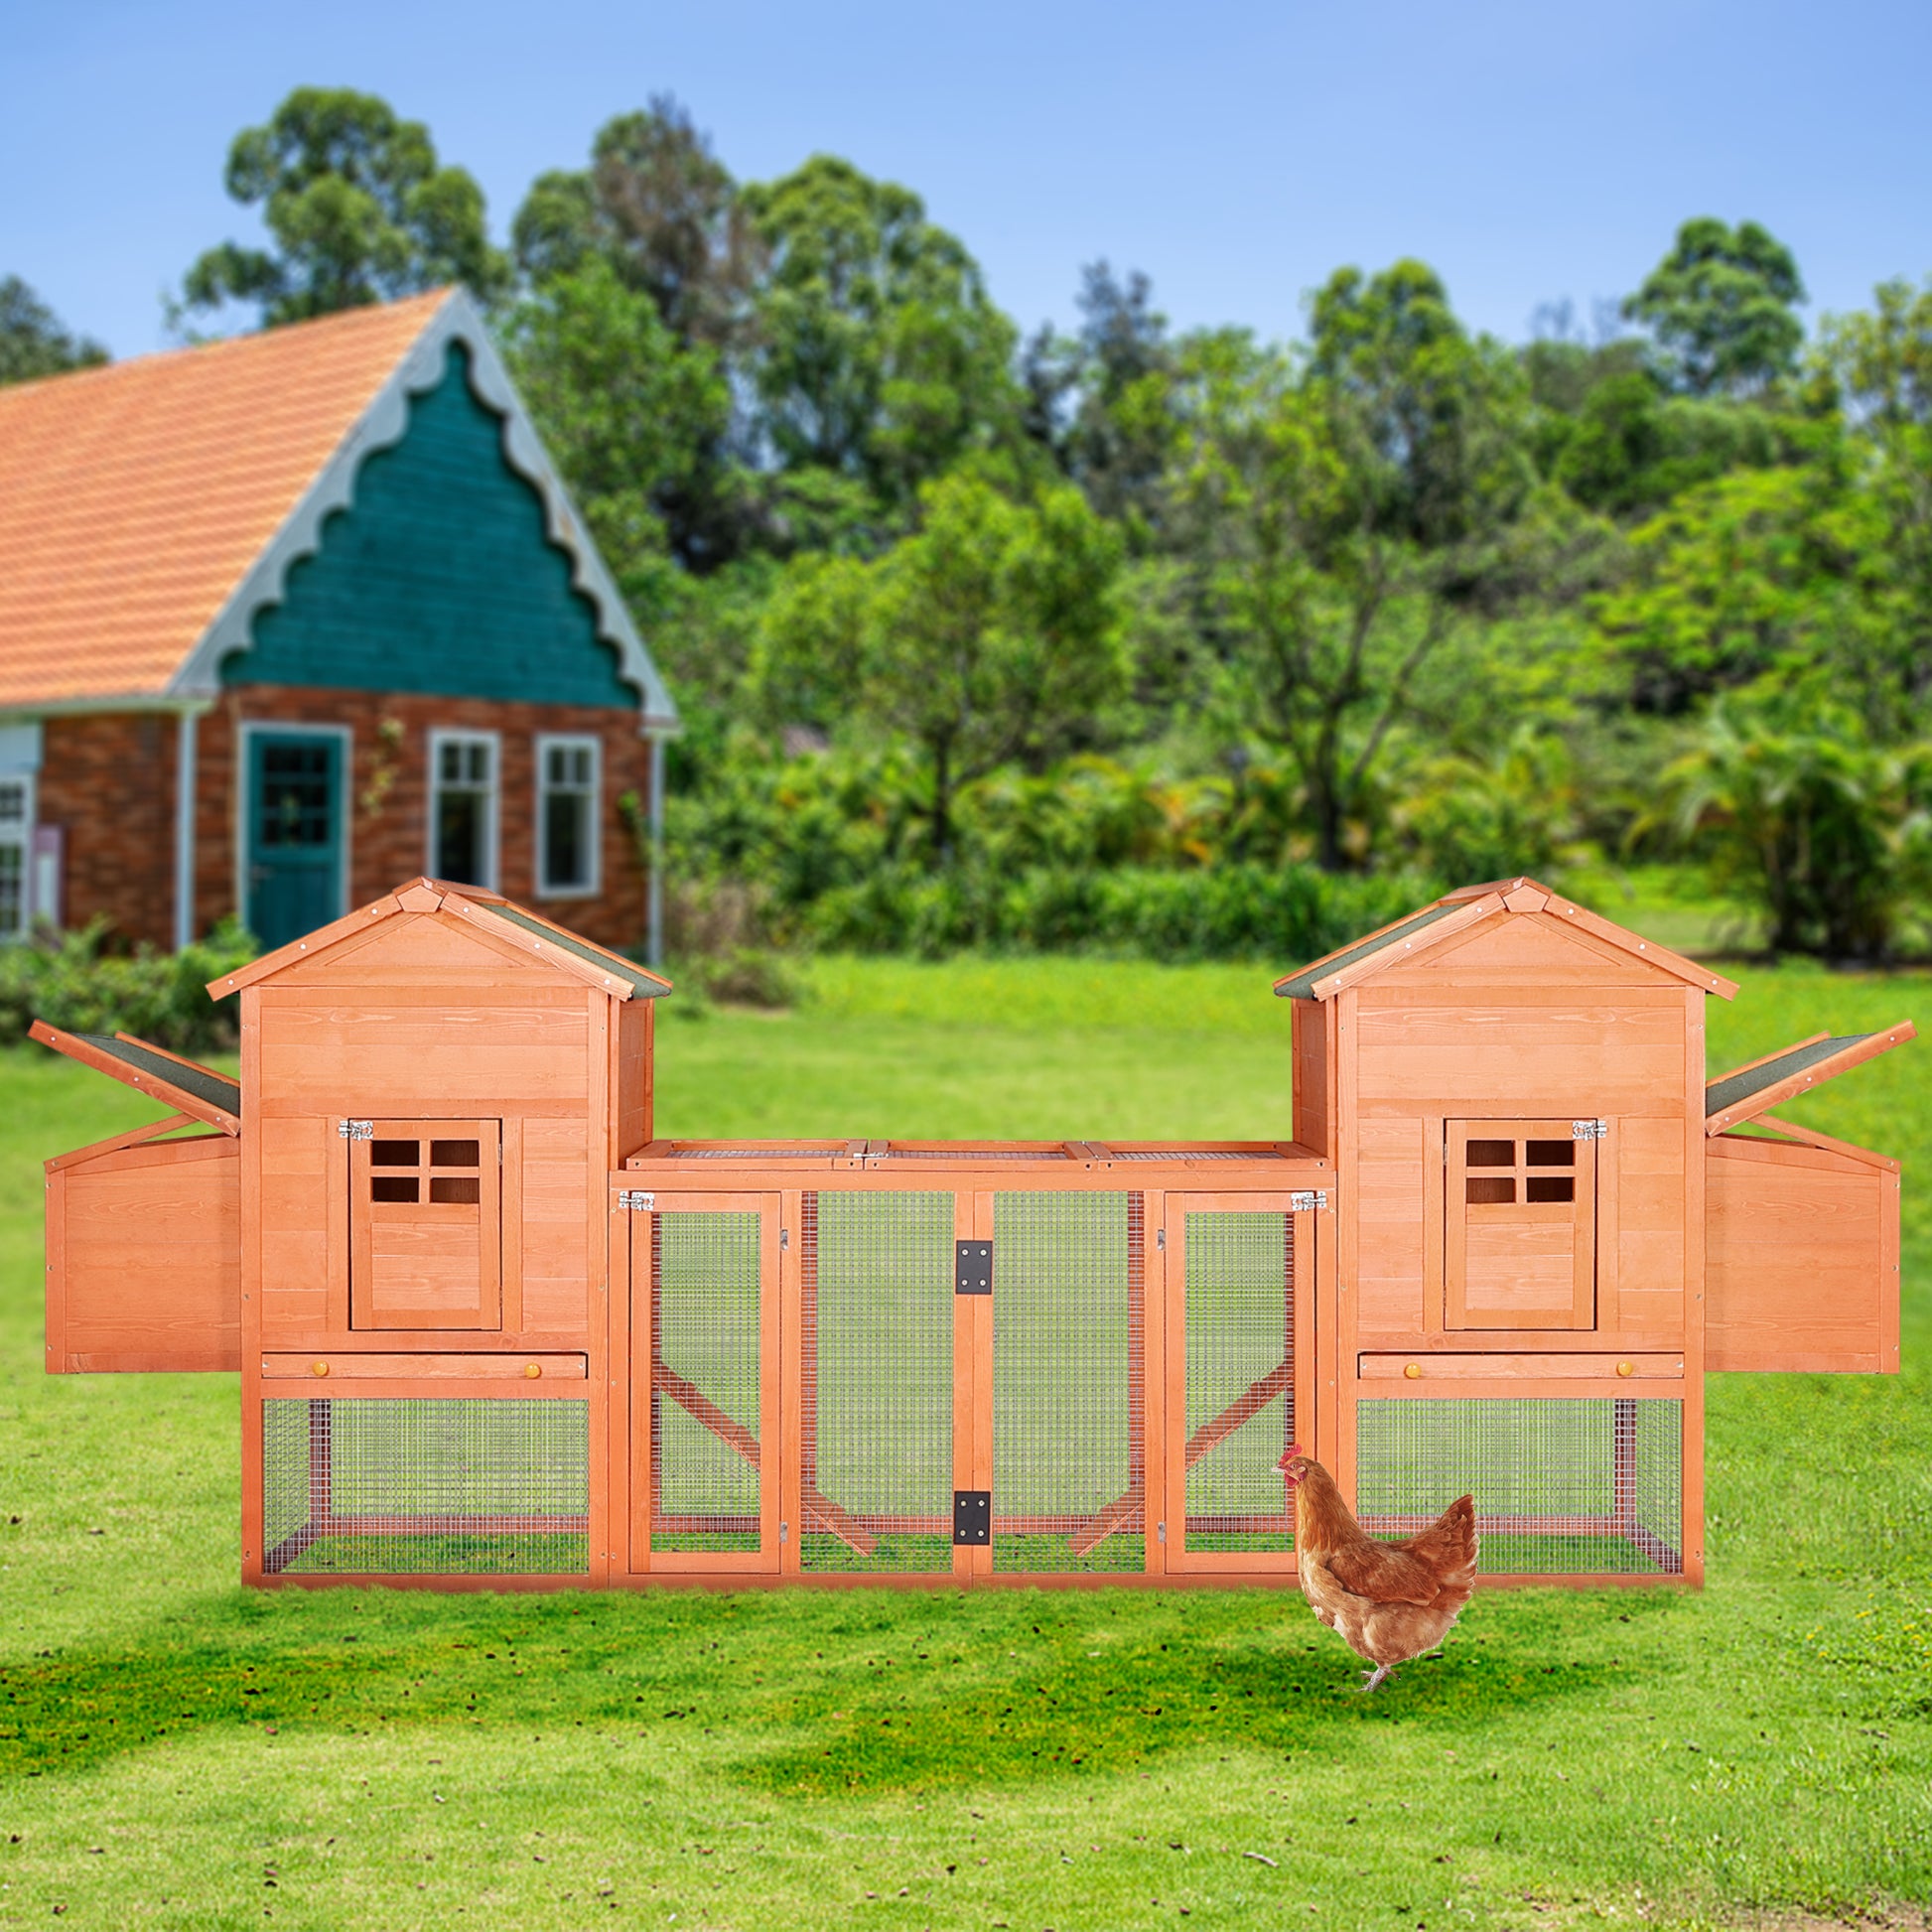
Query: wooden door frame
x=1176, y=1205
x=247, y=732
x=630, y=1445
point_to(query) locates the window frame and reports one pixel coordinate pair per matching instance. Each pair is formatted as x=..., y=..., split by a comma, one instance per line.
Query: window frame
x=545, y=743
x=1469, y=1308
x=441, y=737
x=29, y=782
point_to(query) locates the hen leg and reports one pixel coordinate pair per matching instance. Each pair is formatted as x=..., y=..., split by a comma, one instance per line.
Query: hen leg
x=1374, y=1677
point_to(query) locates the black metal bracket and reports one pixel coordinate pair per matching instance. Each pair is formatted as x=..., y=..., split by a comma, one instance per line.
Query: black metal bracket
x=972, y=1268
x=972, y=1514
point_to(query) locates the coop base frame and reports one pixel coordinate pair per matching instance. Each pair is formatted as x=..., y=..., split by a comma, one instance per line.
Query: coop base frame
x=632, y=1391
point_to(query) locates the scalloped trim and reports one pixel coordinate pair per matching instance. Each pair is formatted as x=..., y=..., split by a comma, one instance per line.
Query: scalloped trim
x=381, y=426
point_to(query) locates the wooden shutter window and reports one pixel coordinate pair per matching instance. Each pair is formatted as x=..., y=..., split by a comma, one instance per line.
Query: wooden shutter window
x=426, y=1228
x=1519, y=1248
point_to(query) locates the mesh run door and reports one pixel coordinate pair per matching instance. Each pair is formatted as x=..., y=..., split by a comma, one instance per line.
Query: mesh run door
x=1070, y=1442
x=426, y=1225
x=704, y=1348
x=1239, y=1366
x=876, y=1382
x=1519, y=1250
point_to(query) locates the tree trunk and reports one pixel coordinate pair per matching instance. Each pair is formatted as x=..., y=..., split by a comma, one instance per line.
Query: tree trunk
x=942, y=803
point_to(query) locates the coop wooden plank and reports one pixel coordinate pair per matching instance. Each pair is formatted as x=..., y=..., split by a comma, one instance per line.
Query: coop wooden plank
x=357, y=1365
x=145, y=1259
x=1798, y=1273
x=1435, y=1365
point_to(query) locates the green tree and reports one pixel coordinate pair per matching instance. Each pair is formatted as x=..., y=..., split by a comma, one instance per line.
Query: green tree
x=1719, y=308
x=879, y=355
x=1778, y=573
x=990, y=635
x=359, y=210
x=629, y=414
x=1354, y=512
x=33, y=339
x=659, y=206
x=1102, y=400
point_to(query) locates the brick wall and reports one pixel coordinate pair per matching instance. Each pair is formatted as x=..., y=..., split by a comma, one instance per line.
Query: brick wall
x=110, y=781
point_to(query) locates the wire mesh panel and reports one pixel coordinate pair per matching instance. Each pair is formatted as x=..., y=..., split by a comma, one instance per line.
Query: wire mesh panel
x=876, y=1417
x=1239, y=1320
x=1070, y=1477
x=706, y=1299
x=1563, y=1485
x=425, y=1487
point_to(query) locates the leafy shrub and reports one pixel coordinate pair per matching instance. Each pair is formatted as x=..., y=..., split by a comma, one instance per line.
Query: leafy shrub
x=747, y=976
x=70, y=983
x=1804, y=817
x=1281, y=914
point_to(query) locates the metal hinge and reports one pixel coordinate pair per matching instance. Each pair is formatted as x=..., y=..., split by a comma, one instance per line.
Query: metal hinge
x=355, y=1129
x=1589, y=1130
x=972, y=1516
x=637, y=1203
x=972, y=1271
x=1304, y=1200
x=1160, y=1237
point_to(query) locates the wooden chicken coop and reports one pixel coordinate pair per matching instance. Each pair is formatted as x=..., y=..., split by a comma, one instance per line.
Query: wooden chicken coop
x=492, y=1333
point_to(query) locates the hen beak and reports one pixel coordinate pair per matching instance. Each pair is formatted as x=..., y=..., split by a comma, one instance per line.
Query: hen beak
x=1287, y=1455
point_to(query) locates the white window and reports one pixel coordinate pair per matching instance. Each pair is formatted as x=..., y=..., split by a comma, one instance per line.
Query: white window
x=16, y=855
x=463, y=807
x=568, y=792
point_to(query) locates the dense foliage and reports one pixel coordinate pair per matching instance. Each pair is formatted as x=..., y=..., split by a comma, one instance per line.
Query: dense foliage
x=73, y=984
x=1138, y=639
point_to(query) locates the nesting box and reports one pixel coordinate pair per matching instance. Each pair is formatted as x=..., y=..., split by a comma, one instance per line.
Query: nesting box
x=491, y=1332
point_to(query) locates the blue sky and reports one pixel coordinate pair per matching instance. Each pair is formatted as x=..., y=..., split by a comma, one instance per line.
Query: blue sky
x=1236, y=151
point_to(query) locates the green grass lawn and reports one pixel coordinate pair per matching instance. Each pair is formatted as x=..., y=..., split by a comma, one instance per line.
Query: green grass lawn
x=177, y=1751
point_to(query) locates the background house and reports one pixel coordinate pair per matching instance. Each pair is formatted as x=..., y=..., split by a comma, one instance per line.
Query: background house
x=287, y=616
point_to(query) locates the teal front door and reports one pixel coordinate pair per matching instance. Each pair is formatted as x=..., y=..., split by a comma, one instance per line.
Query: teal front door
x=294, y=859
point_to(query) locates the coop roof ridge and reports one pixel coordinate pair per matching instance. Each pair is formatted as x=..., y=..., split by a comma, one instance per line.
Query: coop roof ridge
x=1469, y=906
x=543, y=940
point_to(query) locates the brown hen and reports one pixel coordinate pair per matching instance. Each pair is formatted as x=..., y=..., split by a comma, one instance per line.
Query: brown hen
x=1388, y=1601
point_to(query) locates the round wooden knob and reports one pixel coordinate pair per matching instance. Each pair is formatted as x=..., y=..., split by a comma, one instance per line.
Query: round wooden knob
x=532, y=1370
x=1414, y=1371
x=318, y=1368
x=1626, y=1369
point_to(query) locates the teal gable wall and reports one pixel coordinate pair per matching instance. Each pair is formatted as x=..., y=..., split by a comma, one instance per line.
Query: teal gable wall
x=438, y=577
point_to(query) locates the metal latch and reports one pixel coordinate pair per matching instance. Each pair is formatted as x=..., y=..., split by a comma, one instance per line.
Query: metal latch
x=972, y=1516
x=1589, y=1130
x=636, y=1202
x=1304, y=1200
x=355, y=1129
x=972, y=1274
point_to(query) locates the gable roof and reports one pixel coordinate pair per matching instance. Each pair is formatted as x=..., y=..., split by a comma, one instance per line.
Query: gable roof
x=1471, y=905
x=548, y=943
x=1749, y=1091
x=149, y=510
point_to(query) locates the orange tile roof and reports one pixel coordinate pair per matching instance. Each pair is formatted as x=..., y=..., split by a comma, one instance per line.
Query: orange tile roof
x=133, y=498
